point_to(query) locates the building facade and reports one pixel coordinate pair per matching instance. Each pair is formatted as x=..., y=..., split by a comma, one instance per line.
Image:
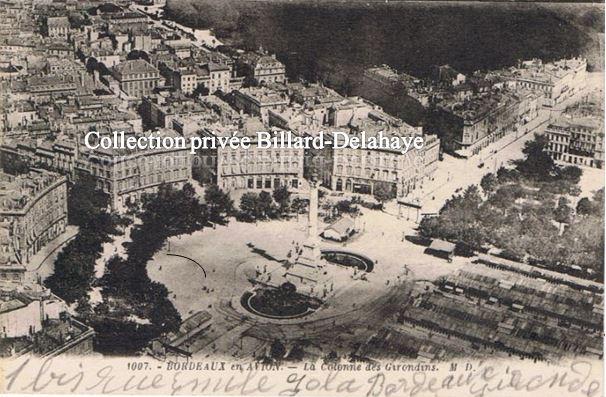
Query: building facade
x=35, y=205
x=556, y=81
x=360, y=170
x=258, y=101
x=127, y=174
x=262, y=68
x=577, y=140
x=472, y=124
x=57, y=27
x=136, y=77
x=253, y=168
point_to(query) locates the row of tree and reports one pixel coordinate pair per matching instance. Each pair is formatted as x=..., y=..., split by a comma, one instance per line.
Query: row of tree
x=128, y=292
x=265, y=205
x=134, y=309
x=74, y=268
x=526, y=211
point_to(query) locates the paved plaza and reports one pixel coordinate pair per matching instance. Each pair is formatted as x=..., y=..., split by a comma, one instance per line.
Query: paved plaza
x=230, y=254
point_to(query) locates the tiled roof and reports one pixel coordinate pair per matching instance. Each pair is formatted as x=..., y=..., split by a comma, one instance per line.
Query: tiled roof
x=134, y=66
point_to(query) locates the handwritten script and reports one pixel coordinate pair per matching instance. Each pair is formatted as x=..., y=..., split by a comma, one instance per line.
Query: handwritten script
x=55, y=375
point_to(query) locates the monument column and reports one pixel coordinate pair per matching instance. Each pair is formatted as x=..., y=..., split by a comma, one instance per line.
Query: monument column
x=312, y=224
x=310, y=255
x=306, y=273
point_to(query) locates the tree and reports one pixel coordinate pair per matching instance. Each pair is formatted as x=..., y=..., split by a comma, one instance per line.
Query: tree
x=299, y=205
x=73, y=273
x=127, y=288
x=162, y=313
x=429, y=227
x=84, y=201
x=123, y=276
x=174, y=211
x=266, y=206
x=78, y=20
x=74, y=270
x=200, y=90
x=505, y=195
x=584, y=206
x=219, y=204
x=383, y=191
x=460, y=219
x=489, y=183
x=506, y=175
x=530, y=228
x=571, y=173
x=563, y=212
x=583, y=244
x=346, y=207
x=168, y=212
x=281, y=196
x=249, y=203
x=537, y=165
x=137, y=54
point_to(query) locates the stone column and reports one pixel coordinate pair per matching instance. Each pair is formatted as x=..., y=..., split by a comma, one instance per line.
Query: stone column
x=312, y=222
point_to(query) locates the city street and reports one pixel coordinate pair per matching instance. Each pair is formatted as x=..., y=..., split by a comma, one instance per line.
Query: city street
x=456, y=173
x=43, y=263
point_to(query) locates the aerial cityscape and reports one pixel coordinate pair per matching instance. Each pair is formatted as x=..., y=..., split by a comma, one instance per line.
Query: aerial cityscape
x=488, y=242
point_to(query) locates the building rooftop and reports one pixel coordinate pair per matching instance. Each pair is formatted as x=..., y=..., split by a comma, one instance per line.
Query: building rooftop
x=550, y=72
x=260, y=59
x=314, y=93
x=342, y=226
x=134, y=66
x=55, y=335
x=57, y=22
x=176, y=104
x=35, y=83
x=586, y=122
x=16, y=192
x=264, y=95
x=479, y=105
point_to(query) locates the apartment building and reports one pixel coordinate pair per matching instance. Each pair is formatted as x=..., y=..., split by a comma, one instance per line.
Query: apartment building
x=35, y=207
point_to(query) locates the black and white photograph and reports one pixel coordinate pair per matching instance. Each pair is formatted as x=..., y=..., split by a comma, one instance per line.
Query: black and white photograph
x=368, y=198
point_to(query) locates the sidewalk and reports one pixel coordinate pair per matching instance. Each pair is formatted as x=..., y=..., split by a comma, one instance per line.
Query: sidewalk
x=43, y=263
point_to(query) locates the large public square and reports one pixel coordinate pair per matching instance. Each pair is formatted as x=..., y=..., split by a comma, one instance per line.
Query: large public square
x=231, y=254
